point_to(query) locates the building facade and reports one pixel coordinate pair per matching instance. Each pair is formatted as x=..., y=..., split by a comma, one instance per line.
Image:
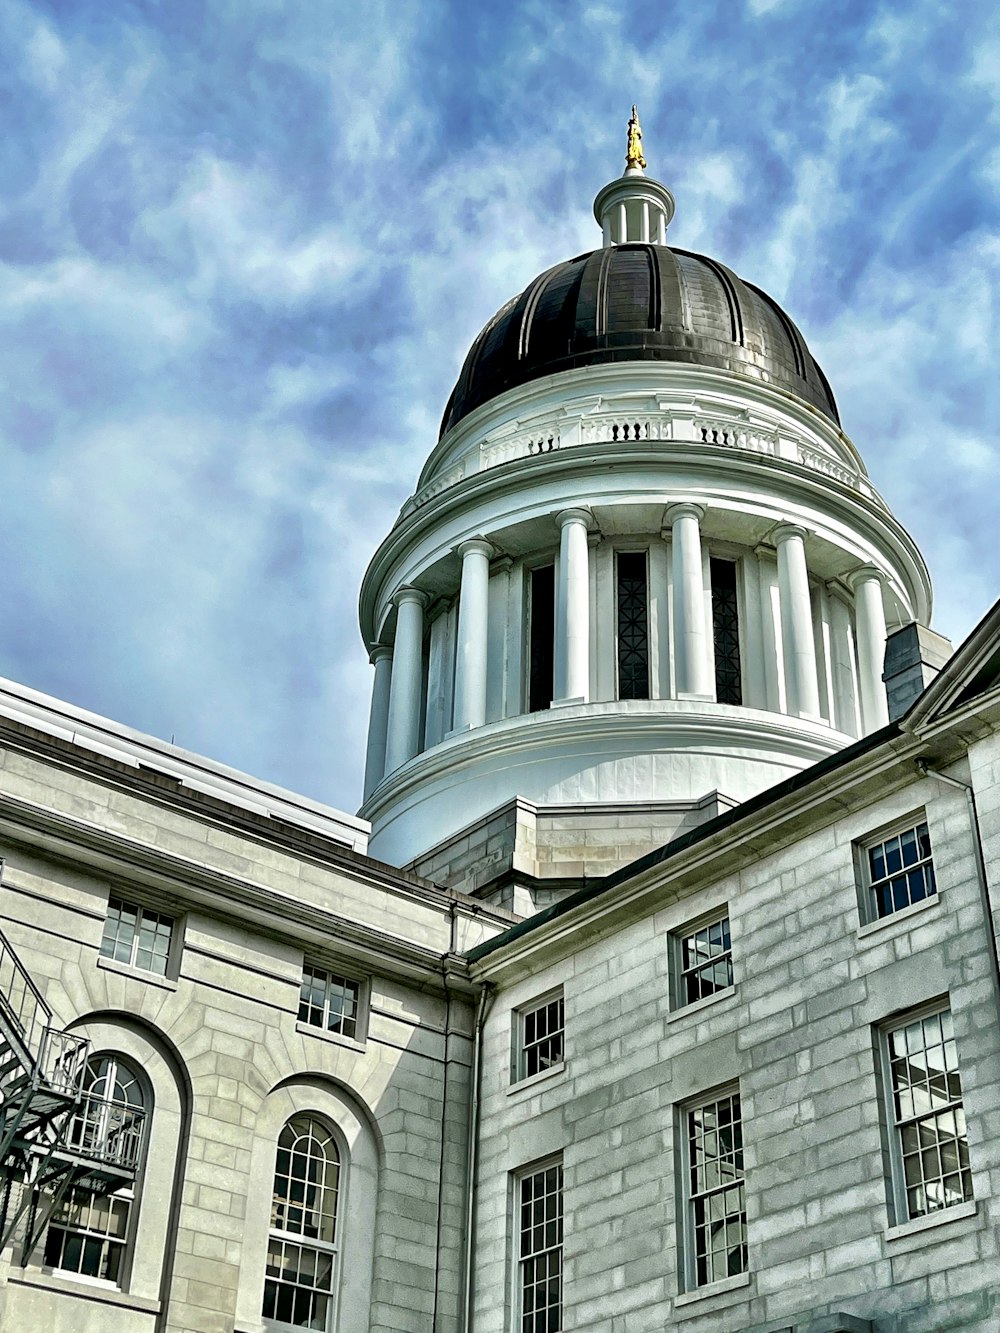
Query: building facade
x=655, y=985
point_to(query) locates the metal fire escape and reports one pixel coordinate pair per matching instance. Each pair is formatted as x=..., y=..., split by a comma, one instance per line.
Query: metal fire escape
x=54, y=1136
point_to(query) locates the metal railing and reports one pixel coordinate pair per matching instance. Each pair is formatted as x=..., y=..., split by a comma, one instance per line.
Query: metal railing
x=62, y=1060
x=107, y=1131
x=21, y=1000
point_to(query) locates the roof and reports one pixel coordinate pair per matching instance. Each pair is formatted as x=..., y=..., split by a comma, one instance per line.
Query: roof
x=637, y=302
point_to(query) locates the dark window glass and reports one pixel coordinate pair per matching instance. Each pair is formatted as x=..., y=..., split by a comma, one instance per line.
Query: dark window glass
x=726, y=633
x=633, y=626
x=901, y=871
x=543, y=619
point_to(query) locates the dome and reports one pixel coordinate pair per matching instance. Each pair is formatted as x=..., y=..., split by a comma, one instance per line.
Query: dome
x=638, y=302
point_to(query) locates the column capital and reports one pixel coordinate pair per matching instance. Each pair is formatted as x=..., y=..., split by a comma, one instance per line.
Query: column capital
x=784, y=532
x=864, y=574
x=475, y=546
x=567, y=516
x=379, y=653
x=407, y=593
x=683, y=509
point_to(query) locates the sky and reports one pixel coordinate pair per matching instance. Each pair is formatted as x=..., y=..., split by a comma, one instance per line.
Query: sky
x=245, y=244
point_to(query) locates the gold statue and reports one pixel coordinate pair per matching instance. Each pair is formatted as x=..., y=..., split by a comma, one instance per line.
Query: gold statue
x=633, y=152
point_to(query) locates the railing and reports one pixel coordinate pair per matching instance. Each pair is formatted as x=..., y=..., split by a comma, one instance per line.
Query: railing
x=21, y=1000
x=621, y=429
x=735, y=435
x=62, y=1059
x=107, y=1131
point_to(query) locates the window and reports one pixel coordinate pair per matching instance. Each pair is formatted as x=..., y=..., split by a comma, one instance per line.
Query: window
x=716, y=1218
x=329, y=1001
x=137, y=936
x=930, y=1149
x=540, y=1240
x=704, y=961
x=90, y=1231
x=633, y=626
x=541, y=647
x=538, y=1037
x=899, y=871
x=302, y=1251
x=726, y=632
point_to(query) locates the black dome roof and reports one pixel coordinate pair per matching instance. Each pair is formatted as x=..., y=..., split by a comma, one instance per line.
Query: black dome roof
x=637, y=302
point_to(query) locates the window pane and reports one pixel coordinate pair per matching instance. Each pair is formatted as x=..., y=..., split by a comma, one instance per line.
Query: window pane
x=540, y=1250
x=716, y=1190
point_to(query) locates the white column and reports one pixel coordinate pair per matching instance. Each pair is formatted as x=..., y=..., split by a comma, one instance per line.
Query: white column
x=378, y=721
x=573, y=607
x=798, y=642
x=606, y=229
x=691, y=645
x=622, y=224
x=869, y=618
x=473, y=622
x=644, y=234
x=403, y=731
x=661, y=227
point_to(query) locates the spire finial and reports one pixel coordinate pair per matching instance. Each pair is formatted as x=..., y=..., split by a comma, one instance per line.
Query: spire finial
x=634, y=160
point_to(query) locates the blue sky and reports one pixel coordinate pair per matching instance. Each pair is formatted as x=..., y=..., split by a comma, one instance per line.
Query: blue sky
x=244, y=245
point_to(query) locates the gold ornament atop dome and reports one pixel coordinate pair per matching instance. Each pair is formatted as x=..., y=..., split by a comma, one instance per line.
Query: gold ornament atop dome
x=633, y=152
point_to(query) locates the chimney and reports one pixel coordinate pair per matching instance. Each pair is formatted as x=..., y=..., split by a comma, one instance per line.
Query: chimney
x=914, y=655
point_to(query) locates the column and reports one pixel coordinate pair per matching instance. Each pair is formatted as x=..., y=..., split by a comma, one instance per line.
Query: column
x=691, y=643
x=644, y=224
x=622, y=224
x=470, y=660
x=869, y=619
x=606, y=229
x=573, y=607
x=661, y=227
x=403, y=730
x=378, y=721
x=798, y=643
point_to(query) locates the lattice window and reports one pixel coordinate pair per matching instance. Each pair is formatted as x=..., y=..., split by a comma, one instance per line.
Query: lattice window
x=540, y=1242
x=932, y=1157
x=633, y=626
x=300, y=1272
x=900, y=871
x=706, y=961
x=726, y=633
x=541, y=646
x=538, y=1037
x=716, y=1203
x=137, y=936
x=90, y=1233
x=329, y=1001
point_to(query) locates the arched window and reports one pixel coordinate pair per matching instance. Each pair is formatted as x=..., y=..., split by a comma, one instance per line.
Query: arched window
x=91, y=1229
x=302, y=1252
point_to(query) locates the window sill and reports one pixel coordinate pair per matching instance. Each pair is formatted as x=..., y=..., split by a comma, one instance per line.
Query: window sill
x=139, y=973
x=527, y=1084
x=91, y=1289
x=904, y=914
x=910, y=1235
x=324, y=1034
x=723, y=1287
x=699, y=1006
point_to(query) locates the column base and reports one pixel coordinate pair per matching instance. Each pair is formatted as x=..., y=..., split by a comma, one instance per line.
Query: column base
x=565, y=703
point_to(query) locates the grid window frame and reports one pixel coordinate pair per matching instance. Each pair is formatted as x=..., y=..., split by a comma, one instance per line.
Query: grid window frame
x=301, y=1266
x=933, y=1136
x=538, y=1037
x=700, y=948
x=538, y=1232
x=139, y=936
x=713, y=1188
x=633, y=641
x=896, y=869
x=332, y=1002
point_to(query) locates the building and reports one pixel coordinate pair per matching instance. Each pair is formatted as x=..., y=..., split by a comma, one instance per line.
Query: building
x=656, y=985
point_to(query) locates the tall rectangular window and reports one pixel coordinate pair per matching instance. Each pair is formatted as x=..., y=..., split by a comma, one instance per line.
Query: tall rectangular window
x=900, y=871
x=716, y=1222
x=931, y=1150
x=538, y=1036
x=540, y=1242
x=633, y=626
x=137, y=936
x=726, y=633
x=705, y=961
x=541, y=645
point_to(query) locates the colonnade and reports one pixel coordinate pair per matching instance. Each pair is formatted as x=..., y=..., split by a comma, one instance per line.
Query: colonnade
x=397, y=699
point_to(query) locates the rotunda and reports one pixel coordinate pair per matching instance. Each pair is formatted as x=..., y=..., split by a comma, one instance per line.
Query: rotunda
x=644, y=574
